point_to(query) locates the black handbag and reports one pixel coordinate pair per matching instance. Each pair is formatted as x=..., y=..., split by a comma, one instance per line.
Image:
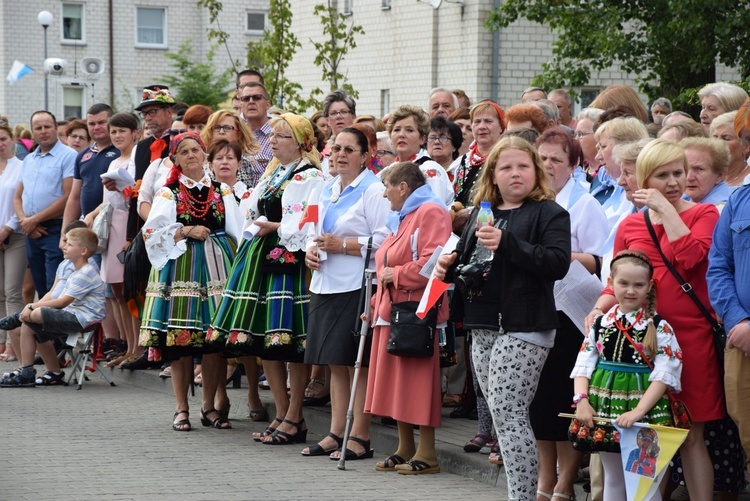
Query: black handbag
x=720, y=336
x=410, y=335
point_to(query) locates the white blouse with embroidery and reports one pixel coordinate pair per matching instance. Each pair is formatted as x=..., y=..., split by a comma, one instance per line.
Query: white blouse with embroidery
x=435, y=175
x=161, y=226
x=667, y=362
x=295, y=198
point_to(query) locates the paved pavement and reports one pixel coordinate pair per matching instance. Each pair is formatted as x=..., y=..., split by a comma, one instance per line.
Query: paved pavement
x=116, y=443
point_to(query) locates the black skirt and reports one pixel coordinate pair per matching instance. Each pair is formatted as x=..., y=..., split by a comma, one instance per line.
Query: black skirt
x=554, y=394
x=330, y=331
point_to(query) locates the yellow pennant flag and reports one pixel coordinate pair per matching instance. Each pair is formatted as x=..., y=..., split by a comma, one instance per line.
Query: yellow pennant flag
x=646, y=453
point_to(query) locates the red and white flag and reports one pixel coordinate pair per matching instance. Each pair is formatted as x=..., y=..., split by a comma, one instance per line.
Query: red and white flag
x=310, y=214
x=435, y=288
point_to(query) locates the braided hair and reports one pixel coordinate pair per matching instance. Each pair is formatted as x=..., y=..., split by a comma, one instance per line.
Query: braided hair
x=638, y=258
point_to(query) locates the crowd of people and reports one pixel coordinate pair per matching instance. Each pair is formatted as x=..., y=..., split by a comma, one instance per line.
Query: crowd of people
x=237, y=241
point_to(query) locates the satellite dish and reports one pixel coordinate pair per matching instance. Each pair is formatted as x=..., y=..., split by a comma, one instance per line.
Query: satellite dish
x=92, y=66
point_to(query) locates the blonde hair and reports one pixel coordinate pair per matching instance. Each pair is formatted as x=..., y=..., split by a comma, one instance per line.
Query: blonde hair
x=655, y=154
x=487, y=189
x=729, y=95
x=685, y=128
x=723, y=119
x=405, y=111
x=245, y=136
x=628, y=152
x=649, y=341
x=85, y=238
x=716, y=149
x=622, y=130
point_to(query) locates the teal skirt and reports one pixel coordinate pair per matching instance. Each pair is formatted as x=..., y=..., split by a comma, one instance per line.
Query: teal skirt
x=264, y=307
x=182, y=298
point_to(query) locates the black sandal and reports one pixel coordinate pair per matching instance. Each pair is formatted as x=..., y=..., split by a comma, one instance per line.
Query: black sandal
x=178, y=426
x=270, y=430
x=318, y=450
x=390, y=463
x=218, y=423
x=350, y=455
x=283, y=438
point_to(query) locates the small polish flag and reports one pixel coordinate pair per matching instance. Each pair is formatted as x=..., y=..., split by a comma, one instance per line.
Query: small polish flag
x=435, y=288
x=17, y=71
x=310, y=215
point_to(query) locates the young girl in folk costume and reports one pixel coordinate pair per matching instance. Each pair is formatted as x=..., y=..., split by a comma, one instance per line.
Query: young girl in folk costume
x=612, y=380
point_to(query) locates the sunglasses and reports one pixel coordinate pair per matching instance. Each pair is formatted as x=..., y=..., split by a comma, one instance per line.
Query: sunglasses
x=252, y=97
x=174, y=132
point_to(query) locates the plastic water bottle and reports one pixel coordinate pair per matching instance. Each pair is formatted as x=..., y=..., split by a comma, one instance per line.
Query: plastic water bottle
x=484, y=218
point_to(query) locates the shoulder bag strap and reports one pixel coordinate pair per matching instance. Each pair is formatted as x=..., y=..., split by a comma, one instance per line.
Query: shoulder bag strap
x=685, y=286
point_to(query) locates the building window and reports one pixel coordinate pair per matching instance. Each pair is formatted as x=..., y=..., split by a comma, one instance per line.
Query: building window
x=255, y=22
x=72, y=23
x=385, y=102
x=73, y=102
x=344, y=7
x=385, y=5
x=151, y=28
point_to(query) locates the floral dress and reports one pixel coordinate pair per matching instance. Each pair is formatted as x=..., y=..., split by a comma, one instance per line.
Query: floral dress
x=265, y=302
x=188, y=276
x=618, y=375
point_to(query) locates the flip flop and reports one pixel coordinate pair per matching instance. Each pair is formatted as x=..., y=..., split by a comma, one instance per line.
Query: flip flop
x=416, y=467
x=390, y=463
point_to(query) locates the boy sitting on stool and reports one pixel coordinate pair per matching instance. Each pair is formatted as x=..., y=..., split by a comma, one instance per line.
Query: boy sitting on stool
x=80, y=304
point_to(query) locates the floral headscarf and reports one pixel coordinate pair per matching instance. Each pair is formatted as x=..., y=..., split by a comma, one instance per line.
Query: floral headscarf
x=175, y=143
x=302, y=130
x=176, y=170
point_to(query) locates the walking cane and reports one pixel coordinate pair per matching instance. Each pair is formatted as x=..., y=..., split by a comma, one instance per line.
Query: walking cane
x=369, y=275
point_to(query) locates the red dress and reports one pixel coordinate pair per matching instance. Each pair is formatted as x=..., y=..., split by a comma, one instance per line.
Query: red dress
x=702, y=386
x=407, y=389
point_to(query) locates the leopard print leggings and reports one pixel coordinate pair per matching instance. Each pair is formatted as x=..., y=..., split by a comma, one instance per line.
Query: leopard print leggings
x=508, y=371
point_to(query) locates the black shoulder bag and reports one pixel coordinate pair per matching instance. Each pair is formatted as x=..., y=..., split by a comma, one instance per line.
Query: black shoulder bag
x=719, y=334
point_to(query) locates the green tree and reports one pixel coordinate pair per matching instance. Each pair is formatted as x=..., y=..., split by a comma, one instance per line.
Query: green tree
x=672, y=46
x=339, y=39
x=196, y=83
x=272, y=55
x=218, y=35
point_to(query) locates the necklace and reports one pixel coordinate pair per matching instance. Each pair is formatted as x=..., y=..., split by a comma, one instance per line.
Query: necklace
x=273, y=187
x=738, y=176
x=198, y=208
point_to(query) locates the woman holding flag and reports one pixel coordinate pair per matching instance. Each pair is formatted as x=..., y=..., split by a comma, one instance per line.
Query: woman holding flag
x=352, y=213
x=264, y=309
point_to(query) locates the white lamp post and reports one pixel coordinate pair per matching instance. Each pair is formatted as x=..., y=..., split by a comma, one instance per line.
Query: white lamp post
x=45, y=19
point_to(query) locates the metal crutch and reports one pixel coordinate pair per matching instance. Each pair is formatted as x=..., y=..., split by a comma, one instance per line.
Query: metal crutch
x=369, y=276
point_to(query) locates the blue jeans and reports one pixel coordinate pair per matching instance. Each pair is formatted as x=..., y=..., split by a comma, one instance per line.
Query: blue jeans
x=45, y=256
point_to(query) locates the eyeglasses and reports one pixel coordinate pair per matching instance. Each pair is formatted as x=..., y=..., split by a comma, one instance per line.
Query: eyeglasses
x=278, y=136
x=336, y=148
x=437, y=139
x=580, y=134
x=225, y=128
x=174, y=132
x=385, y=152
x=150, y=113
x=252, y=97
x=77, y=137
x=341, y=113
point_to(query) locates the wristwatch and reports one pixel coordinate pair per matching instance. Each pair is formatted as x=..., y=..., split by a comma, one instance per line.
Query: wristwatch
x=343, y=246
x=578, y=397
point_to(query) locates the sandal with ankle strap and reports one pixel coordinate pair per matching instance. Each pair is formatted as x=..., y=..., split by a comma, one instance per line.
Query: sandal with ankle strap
x=218, y=423
x=562, y=495
x=279, y=437
x=318, y=450
x=270, y=429
x=178, y=426
x=351, y=455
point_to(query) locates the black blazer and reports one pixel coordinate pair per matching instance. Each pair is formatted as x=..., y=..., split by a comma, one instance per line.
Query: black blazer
x=534, y=252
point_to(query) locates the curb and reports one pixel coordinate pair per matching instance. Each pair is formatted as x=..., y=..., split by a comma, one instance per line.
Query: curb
x=384, y=438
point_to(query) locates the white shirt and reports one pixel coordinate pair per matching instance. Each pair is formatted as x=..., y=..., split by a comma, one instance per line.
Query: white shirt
x=343, y=273
x=436, y=176
x=588, y=222
x=153, y=179
x=9, y=180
